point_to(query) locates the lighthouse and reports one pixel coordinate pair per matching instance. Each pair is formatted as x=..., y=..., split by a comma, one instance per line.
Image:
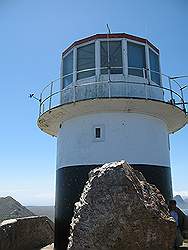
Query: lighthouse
x=110, y=103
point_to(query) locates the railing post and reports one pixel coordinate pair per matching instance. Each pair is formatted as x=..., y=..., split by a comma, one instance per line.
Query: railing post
x=144, y=74
x=51, y=91
x=40, y=104
x=148, y=74
x=170, y=86
x=96, y=89
x=74, y=93
x=181, y=89
x=109, y=90
x=145, y=85
x=146, y=90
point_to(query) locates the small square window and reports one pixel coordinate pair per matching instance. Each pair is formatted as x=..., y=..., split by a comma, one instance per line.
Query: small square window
x=98, y=133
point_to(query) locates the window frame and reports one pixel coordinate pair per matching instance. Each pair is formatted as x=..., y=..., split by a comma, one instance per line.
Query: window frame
x=97, y=58
x=102, y=132
x=146, y=59
x=149, y=67
x=76, y=60
x=122, y=55
x=62, y=74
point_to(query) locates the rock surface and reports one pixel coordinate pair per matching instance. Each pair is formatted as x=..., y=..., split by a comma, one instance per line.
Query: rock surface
x=26, y=233
x=119, y=210
x=49, y=247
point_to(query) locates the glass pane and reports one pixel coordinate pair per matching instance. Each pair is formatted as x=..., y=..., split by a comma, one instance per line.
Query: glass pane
x=67, y=80
x=86, y=61
x=67, y=69
x=115, y=57
x=135, y=72
x=136, y=59
x=97, y=132
x=154, y=66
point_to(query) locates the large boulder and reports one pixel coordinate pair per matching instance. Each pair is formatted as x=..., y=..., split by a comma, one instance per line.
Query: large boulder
x=26, y=233
x=119, y=210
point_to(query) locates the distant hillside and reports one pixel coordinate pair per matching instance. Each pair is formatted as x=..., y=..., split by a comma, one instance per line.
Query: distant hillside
x=186, y=200
x=181, y=202
x=11, y=209
x=48, y=211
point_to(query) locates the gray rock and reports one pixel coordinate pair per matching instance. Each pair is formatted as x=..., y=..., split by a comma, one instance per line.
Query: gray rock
x=119, y=210
x=26, y=233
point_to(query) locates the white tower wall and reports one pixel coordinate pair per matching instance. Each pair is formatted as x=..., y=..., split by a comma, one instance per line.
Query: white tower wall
x=136, y=138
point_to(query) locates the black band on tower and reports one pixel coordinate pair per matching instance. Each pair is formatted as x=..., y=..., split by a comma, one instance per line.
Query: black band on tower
x=70, y=182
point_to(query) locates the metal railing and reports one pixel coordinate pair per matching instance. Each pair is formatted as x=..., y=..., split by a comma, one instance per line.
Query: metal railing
x=53, y=94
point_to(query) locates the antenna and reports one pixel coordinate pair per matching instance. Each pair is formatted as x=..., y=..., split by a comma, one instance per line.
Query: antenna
x=109, y=31
x=108, y=50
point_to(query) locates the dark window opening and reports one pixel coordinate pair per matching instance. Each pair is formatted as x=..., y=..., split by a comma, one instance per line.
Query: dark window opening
x=97, y=132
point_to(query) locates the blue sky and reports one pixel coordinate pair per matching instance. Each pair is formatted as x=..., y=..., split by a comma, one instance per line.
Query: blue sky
x=33, y=35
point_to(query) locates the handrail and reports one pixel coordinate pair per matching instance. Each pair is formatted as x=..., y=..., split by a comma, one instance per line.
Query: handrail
x=92, y=83
x=146, y=77
x=109, y=96
x=86, y=84
x=101, y=68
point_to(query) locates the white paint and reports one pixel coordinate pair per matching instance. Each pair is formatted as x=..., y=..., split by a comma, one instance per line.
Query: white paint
x=136, y=138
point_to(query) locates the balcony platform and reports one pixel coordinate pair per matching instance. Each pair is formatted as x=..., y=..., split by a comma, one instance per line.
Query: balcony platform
x=172, y=115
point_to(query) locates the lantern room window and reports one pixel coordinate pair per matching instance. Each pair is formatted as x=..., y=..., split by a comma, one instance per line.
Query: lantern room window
x=86, y=61
x=67, y=69
x=154, y=66
x=111, y=57
x=136, y=59
x=106, y=57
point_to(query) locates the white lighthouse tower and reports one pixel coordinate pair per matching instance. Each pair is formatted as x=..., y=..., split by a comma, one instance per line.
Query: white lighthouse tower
x=113, y=104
